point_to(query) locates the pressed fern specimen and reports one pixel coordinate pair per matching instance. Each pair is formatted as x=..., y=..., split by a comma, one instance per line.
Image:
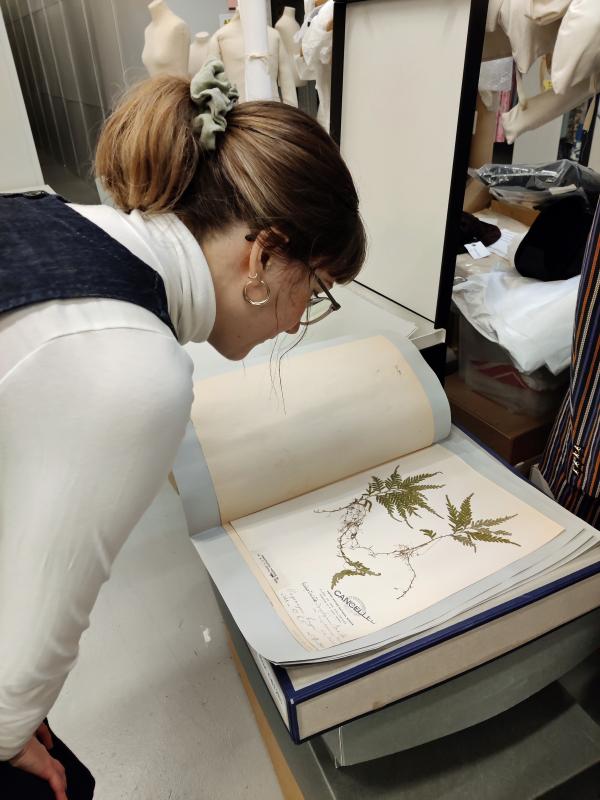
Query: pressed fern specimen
x=403, y=498
x=400, y=497
x=469, y=531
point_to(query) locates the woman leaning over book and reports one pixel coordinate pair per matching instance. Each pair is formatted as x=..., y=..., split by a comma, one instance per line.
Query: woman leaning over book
x=230, y=222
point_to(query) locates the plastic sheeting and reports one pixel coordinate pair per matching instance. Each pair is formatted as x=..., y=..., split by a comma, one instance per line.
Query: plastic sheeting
x=530, y=319
x=538, y=184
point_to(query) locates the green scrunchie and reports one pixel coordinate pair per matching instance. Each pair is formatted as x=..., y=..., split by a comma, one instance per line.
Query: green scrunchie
x=215, y=96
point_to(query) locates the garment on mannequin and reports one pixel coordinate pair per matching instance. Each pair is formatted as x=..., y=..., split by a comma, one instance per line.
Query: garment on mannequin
x=542, y=108
x=287, y=27
x=166, y=42
x=316, y=40
x=227, y=45
x=198, y=52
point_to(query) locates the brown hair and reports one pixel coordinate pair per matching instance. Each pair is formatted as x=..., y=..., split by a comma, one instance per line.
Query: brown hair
x=274, y=169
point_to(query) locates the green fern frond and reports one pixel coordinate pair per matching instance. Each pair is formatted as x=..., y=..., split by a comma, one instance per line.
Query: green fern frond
x=375, y=485
x=468, y=531
x=465, y=515
x=452, y=514
x=491, y=523
x=405, y=504
x=357, y=569
x=485, y=535
x=464, y=540
x=419, y=478
x=429, y=532
x=339, y=575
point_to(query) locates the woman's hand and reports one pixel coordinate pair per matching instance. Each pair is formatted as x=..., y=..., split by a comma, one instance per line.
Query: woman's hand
x=36, y=759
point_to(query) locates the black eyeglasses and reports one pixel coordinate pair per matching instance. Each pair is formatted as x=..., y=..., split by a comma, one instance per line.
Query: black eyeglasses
x=317, y=299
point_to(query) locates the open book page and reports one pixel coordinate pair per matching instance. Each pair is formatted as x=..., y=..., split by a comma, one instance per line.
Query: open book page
x=345, y=408
x=307, y=673
x=264, y=628
x=388, y=544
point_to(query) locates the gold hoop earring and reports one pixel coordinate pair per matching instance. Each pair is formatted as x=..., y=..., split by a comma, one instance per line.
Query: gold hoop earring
x=254, y=279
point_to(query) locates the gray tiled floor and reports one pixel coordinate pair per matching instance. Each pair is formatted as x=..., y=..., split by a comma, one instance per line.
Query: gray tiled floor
x=155, y=707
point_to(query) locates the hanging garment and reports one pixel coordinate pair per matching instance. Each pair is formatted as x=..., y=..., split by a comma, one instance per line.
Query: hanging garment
x=528, y=40
x=315, y=63
x=537, y=111
x=571, y=461
x=542, y=12
x=576, y=54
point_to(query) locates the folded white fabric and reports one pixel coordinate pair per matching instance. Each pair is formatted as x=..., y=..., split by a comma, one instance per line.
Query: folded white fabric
x=530, y=319
x=577, y=50
x=542, y=12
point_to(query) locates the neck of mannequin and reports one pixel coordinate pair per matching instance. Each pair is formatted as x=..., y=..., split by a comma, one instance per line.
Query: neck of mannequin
x=288, y=12
x=202, y=36
x=159, y=10
x=236, y=16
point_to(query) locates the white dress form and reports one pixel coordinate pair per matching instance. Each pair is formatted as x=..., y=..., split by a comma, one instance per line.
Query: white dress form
x=287, y=27
x=198, y=52
x=166, y=42
x=315, y=61
x=227, y=45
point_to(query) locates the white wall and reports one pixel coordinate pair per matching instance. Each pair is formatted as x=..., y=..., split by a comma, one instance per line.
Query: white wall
x=75, y=57
x=200, y=15
x=19, y=165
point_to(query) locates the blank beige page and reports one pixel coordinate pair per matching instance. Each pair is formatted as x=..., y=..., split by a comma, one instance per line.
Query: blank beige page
x=347, y=408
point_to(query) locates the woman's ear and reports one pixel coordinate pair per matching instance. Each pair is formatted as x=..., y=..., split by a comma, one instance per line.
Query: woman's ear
x=260, y=253
x=258, y=257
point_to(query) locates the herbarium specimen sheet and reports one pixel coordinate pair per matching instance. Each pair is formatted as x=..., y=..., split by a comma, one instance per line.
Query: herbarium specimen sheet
x=386, y=544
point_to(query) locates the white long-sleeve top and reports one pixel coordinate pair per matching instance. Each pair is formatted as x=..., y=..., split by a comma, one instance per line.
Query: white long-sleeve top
x=95, y=395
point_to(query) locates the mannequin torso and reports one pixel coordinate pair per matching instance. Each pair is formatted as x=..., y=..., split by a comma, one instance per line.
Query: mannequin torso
x=227, y=45
x=287, y=27
x=166, y=42
x=198, y=52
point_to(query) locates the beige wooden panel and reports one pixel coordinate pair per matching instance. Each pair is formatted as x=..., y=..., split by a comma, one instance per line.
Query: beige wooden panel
x=403, y=73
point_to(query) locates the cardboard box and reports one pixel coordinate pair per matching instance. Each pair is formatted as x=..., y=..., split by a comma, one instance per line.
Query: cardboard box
x=515, y=437
x=524, y=214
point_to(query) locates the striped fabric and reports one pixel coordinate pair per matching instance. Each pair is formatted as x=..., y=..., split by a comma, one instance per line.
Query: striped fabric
x=571, y=460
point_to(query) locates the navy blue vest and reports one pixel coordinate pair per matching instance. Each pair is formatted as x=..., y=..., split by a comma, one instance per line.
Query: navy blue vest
x=50, y=252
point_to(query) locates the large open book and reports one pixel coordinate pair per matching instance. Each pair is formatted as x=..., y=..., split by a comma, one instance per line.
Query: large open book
x=338, y=511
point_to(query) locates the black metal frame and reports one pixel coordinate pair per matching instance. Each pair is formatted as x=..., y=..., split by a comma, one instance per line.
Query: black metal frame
x=468, y=97
x=586, y=148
